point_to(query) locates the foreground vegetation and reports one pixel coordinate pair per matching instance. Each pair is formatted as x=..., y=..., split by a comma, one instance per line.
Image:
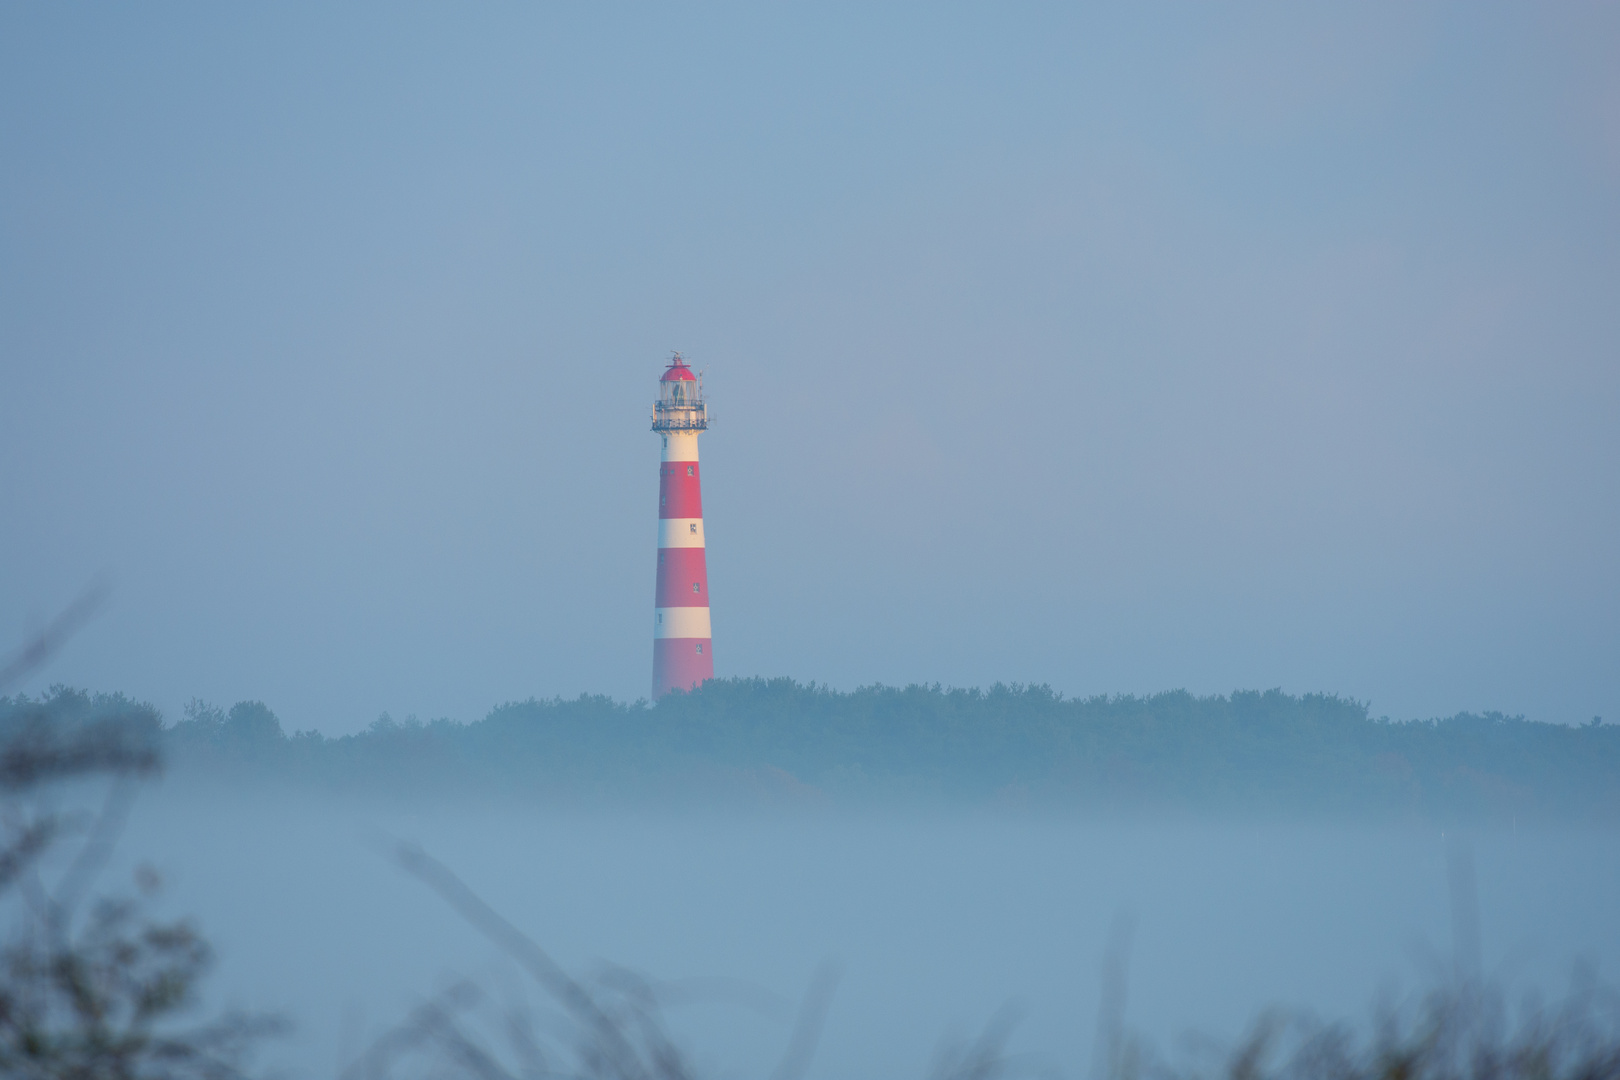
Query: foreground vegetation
x=780, y=741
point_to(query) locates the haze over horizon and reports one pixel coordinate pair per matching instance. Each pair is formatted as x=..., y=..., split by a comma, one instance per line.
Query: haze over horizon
x=1122, y=351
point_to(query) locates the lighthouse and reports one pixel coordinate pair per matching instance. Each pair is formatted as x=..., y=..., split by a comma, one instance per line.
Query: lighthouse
x=682, y=656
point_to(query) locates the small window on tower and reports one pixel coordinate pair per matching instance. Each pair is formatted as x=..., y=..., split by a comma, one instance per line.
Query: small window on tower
x=663, y=500
x=689, y=470
x=700, y=648
x=691, y=527
x=660, y=558
x=660, y=618
x=695, y=586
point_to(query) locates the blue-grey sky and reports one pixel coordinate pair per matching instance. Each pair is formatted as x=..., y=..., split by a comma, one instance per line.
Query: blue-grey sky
x=1122, y=349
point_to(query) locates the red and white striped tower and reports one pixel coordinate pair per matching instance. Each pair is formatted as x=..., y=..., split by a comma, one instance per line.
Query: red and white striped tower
x=682, y=657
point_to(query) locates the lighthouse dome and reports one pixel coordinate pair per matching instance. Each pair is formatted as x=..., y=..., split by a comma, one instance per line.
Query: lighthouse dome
x=678, y=371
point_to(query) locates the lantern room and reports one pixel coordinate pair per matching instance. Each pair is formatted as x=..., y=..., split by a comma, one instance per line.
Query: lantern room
x=680, y=405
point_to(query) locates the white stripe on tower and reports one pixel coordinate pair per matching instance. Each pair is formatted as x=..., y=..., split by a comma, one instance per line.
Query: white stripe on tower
x=680, y=532
x=680, y=446
x=683, y=656
x=681, y=622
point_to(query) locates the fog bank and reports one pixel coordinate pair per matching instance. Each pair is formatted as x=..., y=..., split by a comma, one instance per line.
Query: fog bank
x=937, y=921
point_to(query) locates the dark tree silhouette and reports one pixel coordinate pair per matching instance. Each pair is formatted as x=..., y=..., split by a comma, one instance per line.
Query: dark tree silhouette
x=102, y=995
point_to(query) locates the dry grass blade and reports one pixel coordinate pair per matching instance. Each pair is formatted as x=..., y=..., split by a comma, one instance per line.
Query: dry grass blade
x=981, y=1059
x=807, y=1030
x=609, y=1051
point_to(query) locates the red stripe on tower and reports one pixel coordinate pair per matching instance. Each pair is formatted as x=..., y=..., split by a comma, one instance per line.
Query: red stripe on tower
x=682, y=654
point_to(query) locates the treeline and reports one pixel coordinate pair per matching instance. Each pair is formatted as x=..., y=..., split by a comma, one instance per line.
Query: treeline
x=775, y=740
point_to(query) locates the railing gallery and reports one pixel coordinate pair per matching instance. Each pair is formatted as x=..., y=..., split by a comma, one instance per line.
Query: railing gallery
x=683, y=417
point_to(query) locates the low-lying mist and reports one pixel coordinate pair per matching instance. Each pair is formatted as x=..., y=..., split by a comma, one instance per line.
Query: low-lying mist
x=937, y=921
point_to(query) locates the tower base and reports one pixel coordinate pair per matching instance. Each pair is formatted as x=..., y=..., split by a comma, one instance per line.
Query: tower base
x=680, y=664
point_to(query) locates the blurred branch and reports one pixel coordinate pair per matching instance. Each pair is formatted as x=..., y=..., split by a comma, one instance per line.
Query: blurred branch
x=92, y=855
x=28, y=843
x=43, y=751
x=48, y=641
